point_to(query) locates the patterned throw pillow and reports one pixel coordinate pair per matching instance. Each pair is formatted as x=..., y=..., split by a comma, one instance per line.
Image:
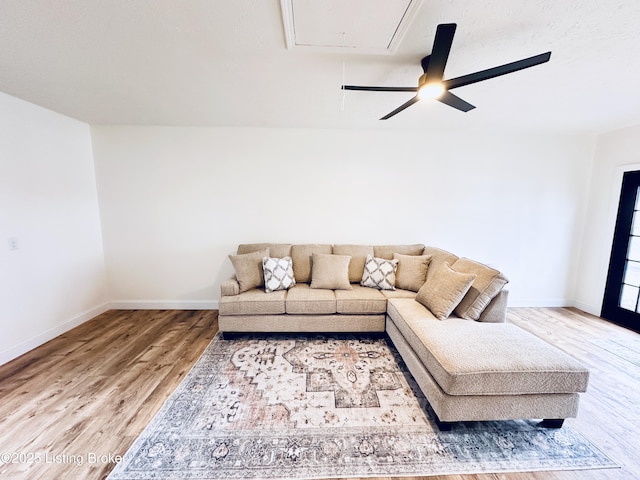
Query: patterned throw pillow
x=379, y=273
x=278, y=273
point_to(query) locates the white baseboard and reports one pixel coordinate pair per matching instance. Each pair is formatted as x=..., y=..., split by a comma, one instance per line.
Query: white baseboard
x=585, y=307
x=213, y=304
x=164, y=305
x=558, y=303
x=540, y=303
x=44, y=337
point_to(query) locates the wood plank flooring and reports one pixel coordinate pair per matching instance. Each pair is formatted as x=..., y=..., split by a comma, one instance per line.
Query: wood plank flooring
x=68, y=407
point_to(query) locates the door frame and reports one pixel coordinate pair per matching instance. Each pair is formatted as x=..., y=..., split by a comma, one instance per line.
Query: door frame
x=612, y=220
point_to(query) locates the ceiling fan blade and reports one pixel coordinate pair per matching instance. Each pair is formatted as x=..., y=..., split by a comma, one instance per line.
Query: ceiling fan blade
x=425, y=63
x=401, y=108
x=497, y=71
x=454, y=101
x=440, y=52
x=379, y=89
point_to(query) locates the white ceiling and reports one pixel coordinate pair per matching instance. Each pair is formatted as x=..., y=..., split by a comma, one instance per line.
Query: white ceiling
x=226, y=63
x=356, y=26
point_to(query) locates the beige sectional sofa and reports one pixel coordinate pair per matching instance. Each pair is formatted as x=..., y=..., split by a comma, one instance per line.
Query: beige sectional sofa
x=444, y=314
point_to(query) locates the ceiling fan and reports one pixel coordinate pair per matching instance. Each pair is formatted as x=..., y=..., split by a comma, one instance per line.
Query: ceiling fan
x=432, y=84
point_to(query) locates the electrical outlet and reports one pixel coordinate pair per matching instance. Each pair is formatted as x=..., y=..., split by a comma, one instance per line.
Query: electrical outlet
x=13, y=243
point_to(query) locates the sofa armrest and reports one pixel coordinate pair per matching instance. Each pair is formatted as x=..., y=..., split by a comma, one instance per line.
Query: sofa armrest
x=496, y=311
x=230, y=287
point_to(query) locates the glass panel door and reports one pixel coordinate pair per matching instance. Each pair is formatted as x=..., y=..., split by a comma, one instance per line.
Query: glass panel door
x=622, y=293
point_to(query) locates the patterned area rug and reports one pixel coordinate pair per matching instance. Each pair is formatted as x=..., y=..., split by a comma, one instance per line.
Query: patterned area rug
x=274, y=406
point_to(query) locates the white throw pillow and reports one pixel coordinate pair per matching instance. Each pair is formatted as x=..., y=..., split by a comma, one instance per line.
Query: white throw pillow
x=379, y=273
x=278, y=273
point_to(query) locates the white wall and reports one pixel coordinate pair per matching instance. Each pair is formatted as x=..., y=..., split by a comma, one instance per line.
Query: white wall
x=176, y=201
x=616, y=152
x=55, y=280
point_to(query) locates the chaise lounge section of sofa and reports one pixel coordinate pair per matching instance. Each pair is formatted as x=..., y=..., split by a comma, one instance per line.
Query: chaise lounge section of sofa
x=445, y=315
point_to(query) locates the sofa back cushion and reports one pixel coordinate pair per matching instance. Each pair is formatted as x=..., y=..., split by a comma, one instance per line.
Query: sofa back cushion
x=387, y=251
x=438, y=258
x=301, y=255
x=276, y=250
x=358, y=254
x=489, y=282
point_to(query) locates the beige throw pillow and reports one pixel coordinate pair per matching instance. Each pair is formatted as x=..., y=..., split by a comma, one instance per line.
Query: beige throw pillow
x=302, y=255
x=248, y=267
x=443, y=290
x=330, y=271
x=412, y=271
x=488, y=283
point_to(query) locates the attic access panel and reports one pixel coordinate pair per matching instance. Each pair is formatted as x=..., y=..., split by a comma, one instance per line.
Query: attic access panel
x=354, y=26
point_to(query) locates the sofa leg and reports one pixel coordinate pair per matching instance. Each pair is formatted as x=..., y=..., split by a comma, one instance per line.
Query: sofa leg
x=552, y=422
x=443, y=426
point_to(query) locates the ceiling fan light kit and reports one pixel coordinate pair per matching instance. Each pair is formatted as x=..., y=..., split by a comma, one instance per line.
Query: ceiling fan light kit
x=430, y=90
x=431, y=83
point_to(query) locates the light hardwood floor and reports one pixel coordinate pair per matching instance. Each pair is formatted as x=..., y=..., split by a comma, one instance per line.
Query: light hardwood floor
x=88, y=393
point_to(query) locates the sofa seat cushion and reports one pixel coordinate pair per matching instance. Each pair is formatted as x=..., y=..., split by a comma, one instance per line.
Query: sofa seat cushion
x=387, y=251
x=360, y=300
x=301, y=299
x=466, y=357
x=253, y=302
x=398, y=293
